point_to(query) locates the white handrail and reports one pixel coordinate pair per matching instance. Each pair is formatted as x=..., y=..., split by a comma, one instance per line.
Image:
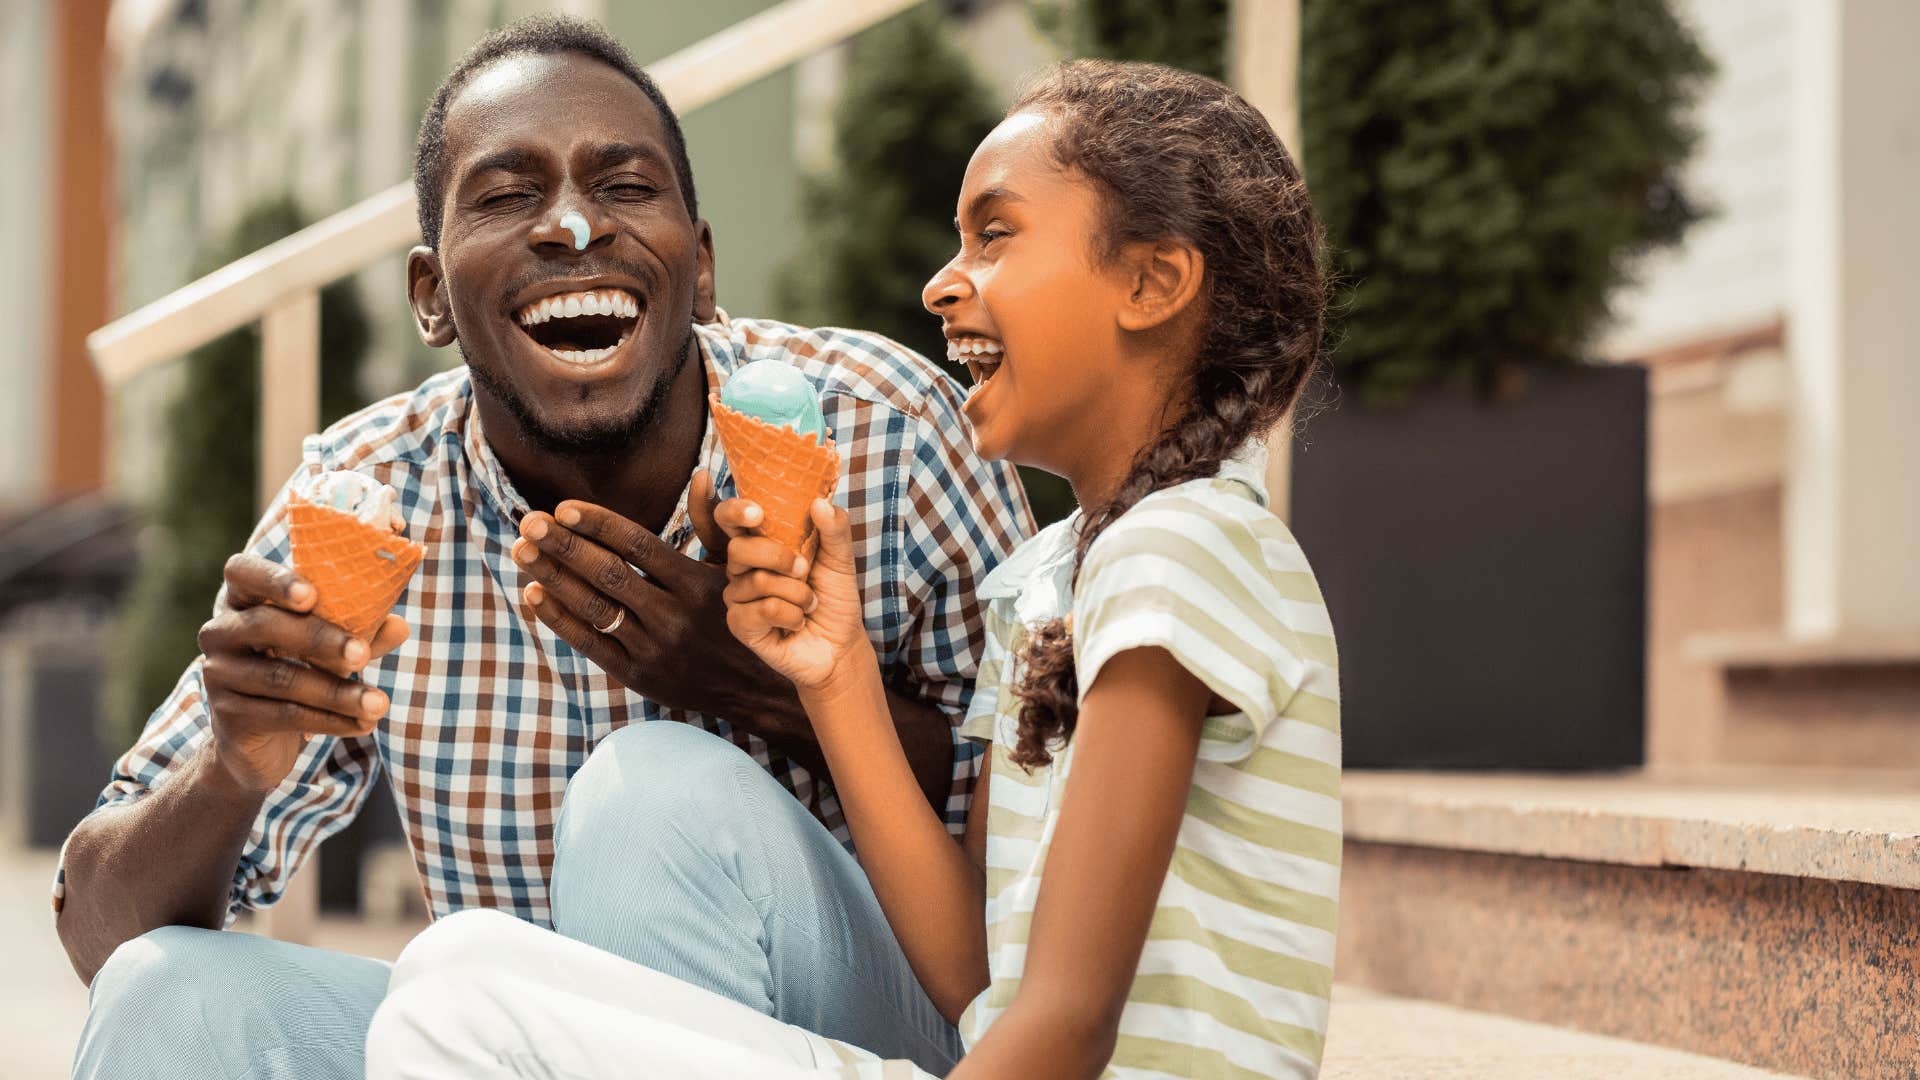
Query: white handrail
x=243, y=291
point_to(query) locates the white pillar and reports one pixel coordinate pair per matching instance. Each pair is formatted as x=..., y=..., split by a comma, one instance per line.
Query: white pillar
x=1265, y=68
x=1852, y=537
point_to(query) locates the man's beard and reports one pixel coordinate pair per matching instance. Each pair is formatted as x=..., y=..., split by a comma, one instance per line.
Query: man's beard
x=610, y=437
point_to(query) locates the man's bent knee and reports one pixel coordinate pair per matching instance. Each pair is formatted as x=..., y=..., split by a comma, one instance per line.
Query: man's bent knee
x=168, y=968
x=653, y=768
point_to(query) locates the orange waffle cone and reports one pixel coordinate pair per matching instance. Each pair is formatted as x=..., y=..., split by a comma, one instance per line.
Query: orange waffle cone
x=359, y=570
x=778, y=468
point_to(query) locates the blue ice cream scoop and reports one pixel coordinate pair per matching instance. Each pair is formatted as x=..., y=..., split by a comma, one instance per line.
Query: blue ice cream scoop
x=776, y=393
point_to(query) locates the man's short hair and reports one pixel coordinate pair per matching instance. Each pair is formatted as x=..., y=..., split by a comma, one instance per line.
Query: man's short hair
x=540, y=34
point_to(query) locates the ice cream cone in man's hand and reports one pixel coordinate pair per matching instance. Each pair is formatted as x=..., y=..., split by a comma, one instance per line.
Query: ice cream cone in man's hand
x=778, y=448
x=346, y=537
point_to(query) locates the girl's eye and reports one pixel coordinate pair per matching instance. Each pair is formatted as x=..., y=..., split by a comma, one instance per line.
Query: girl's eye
x=988, y=236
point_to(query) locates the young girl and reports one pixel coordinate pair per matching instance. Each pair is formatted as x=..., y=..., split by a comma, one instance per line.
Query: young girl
x=1154, y=843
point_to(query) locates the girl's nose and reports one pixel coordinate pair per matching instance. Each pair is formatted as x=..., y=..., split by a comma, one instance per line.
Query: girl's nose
x=945, y=289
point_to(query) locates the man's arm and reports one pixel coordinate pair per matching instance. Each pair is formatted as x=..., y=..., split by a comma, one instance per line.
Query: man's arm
x=165, y=860
x=238, y=724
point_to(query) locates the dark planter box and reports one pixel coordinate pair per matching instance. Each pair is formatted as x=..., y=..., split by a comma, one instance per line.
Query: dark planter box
x=1485, y=566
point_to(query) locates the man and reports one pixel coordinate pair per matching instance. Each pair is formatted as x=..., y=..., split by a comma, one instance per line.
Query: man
x=566, y=595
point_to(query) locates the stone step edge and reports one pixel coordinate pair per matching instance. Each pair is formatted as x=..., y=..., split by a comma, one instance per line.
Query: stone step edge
x=1841, y=825
x=1375, y=1036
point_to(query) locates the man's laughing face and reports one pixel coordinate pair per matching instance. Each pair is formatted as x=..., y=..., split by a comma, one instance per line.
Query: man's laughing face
x=574, y=344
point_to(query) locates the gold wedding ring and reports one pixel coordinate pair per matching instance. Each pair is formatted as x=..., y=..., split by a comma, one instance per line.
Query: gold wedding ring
x=619, y=617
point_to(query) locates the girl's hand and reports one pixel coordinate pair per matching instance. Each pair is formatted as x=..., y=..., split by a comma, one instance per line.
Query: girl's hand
x=803, y=620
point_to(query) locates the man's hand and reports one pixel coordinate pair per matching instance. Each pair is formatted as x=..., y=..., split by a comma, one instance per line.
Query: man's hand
x=668, y=641
x=276, y=674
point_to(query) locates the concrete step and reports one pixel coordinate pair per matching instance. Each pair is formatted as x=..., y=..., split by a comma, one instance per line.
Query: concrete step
x=1375, y=1036
x=1769, y=917
x=1843, y=701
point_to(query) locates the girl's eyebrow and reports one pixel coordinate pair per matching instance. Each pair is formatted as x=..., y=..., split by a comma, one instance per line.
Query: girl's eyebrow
x=979, y=202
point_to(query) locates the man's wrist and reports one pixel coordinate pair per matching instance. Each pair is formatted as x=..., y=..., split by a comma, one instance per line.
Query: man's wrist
x=218, y=780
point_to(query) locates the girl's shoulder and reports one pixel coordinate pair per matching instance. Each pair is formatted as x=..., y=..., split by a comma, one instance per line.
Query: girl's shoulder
x=1220, y=521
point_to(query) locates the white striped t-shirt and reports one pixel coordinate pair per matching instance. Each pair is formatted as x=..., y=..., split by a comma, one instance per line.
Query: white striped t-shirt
x=1238, y=965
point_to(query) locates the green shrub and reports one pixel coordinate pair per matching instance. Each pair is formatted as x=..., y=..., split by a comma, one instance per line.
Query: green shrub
x=1188, y=34
x=205, y=508
x=1489, y=172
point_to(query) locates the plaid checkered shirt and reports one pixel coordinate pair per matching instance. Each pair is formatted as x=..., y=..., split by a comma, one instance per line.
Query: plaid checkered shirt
x=492, y=712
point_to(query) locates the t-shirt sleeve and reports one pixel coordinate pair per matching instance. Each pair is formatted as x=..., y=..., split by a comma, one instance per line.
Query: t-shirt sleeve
x=322, y=793
x=1181, y=575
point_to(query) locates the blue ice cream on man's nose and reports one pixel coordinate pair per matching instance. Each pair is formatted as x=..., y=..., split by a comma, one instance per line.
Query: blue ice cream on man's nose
x=776, y=393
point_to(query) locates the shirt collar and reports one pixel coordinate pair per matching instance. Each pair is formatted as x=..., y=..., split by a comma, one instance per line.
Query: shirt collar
x=498, y=487
x=1038, y=575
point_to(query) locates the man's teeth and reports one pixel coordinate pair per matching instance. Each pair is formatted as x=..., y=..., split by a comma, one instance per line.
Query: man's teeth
x=573, y=305
x=583, y=356
x=960, y=350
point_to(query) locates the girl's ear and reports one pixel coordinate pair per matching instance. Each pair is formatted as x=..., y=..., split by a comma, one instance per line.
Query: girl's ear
x=431, y=315
x=1165, y=277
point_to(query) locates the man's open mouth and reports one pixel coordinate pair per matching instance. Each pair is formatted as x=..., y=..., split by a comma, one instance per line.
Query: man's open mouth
x=980, y=355
x=581, y=327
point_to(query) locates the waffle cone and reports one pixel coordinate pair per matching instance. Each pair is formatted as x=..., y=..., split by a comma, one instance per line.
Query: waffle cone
x=357, y=569
x=778, y=468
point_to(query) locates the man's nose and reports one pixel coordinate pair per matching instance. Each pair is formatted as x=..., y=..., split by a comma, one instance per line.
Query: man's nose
x=573, y=226
x=946, y=288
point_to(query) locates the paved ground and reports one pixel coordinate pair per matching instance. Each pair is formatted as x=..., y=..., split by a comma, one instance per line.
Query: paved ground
x=1374, y=1037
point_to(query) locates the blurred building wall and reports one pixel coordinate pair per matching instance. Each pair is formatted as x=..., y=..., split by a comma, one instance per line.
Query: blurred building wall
x=26, y=80
x=1785, y=354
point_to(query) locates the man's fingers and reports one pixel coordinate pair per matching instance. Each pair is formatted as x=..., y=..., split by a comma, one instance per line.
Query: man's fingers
x=594, y=586
x=252, y=581
x=306, y=638
x=749, y=553
x=738, y=516
x=700, y=511
x=757, y=584
x=283, y=680
x=271, y=714
x=393, y=632
x=600, y=648
x=590, y=606
x=614, y=533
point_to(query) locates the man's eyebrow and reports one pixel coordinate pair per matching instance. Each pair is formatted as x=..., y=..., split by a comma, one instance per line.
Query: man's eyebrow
x=512, y=159
x=608, y=155
x=992, y=194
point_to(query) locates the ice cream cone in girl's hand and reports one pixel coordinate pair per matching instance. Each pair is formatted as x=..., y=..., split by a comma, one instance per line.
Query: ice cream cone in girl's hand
x=770, y=426
x=346, y=541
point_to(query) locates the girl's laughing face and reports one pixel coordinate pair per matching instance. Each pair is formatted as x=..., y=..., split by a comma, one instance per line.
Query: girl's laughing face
x=1026, y=305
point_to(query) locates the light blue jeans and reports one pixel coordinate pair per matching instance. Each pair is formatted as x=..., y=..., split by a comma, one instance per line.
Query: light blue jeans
x=674, y=850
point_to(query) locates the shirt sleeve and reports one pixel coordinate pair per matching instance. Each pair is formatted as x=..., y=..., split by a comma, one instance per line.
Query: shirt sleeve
x=962, y=516
x=1186, y=578
x=321, y=794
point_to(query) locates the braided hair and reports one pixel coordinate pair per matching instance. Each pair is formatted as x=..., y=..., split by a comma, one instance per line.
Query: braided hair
x=1177, y=156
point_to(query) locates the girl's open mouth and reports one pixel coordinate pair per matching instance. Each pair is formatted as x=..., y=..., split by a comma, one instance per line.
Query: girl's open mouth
x=581, y=327
x=982, y=356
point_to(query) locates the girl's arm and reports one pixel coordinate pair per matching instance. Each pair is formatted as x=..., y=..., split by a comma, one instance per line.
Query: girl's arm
x=932, y=891
x=1133, y=758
